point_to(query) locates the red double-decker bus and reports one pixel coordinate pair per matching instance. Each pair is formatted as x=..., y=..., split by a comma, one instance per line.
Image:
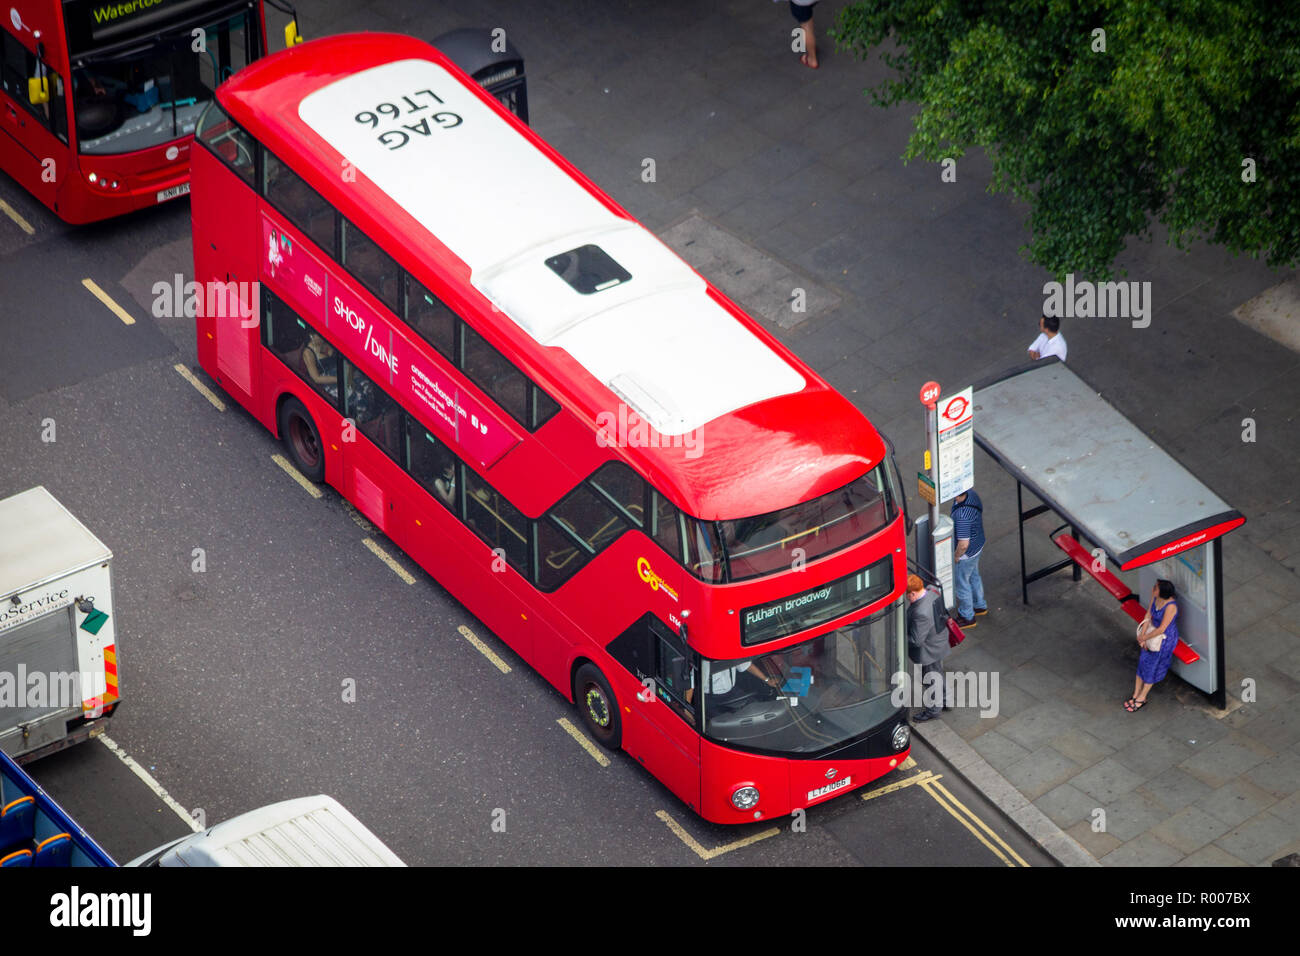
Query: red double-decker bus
x=100, y=97
x=658, y=506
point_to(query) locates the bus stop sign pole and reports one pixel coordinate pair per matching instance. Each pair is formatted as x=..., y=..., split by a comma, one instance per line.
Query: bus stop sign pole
x=936, y=554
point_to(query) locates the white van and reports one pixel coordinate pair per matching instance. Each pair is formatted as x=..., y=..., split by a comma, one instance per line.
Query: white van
x=308, y=831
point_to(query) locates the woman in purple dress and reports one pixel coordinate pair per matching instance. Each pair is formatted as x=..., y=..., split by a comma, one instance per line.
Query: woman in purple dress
x=1153, y=665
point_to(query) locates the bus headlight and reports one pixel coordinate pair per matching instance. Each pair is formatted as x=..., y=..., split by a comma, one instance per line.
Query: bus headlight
x=745, y=798
x=902, y=734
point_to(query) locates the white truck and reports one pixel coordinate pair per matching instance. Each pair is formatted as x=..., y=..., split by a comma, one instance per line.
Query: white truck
x=58, y=638
x=309, y=831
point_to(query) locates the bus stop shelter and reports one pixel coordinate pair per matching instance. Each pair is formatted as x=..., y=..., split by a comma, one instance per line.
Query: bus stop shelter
x=1121, y=499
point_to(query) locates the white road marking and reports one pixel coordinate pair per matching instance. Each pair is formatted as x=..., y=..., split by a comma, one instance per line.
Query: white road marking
x=150, y=782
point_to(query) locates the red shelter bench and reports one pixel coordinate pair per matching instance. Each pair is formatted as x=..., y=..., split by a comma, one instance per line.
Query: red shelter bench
x=1128, y=601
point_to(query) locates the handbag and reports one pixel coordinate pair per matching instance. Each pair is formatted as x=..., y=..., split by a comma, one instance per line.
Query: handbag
x=1152, y=644
x=955, y=634
x=944, y=621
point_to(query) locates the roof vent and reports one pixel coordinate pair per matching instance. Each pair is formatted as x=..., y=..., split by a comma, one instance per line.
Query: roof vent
x=588, y=269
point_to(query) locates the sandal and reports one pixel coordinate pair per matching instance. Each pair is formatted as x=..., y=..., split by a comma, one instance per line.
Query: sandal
x=1133, y=705
x=1128, y=704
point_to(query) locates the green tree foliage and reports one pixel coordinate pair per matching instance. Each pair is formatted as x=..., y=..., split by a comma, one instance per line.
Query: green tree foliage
x=1158, y=127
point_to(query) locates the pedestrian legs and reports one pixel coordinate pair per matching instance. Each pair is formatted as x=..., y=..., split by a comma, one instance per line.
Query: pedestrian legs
x=961, y=574
x=975, y=582
x=932, y=690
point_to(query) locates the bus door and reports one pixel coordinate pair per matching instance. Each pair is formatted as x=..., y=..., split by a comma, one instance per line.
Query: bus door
x=661, y=725
x=227, y=249
x=37, y=152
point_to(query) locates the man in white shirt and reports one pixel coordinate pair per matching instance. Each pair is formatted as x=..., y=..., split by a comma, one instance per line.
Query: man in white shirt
x=722, y=680
x=1050, y=341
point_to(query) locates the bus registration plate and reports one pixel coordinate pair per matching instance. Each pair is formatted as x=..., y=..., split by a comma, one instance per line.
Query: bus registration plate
x=829, y=788
x=181, y=190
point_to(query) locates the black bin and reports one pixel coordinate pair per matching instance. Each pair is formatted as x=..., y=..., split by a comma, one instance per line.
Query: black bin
x=501, y=73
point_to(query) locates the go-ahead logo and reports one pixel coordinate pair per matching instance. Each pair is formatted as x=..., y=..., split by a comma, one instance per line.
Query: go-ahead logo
x=646, y=574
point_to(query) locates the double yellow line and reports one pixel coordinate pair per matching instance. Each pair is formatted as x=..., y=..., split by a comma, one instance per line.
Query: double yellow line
x=996, y=845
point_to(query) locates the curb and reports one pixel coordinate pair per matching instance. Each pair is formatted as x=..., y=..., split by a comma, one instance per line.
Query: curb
x=979, y=773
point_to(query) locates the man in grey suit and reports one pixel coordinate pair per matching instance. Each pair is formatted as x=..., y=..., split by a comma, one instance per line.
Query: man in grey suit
x=927, y=645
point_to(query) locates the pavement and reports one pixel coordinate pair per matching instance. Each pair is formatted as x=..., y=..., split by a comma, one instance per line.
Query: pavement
x=776, y=180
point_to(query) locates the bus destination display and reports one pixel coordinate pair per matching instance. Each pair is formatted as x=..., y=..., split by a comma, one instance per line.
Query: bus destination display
x=798, y=612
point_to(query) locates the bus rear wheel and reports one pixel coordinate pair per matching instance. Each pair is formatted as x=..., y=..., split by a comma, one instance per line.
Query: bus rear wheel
x=302, y=440
x=598, y=706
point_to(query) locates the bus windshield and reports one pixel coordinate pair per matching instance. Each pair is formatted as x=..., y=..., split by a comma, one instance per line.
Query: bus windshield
x=809, y=697
x=151, y=92
x=763, y=544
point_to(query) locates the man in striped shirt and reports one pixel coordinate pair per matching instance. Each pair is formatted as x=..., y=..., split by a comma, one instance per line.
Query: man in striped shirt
x=968, y=531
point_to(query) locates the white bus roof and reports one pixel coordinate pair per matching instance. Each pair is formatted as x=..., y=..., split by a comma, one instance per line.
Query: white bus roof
x=307, y=831
x=41, y=541
x=504, y=207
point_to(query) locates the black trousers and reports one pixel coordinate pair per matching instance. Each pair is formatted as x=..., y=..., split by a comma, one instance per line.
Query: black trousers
x=933, y=695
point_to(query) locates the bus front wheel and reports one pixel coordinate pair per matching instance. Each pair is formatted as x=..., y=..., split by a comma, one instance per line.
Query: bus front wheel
x=598, y=706
x=302, y=440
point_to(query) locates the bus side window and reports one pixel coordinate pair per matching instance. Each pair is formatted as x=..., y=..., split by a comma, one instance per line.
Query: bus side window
x=13, y=59
x=225, y=51
x=704, y=550
x=650, y=651
x=305, y=207
x=431, y=319
x=54, y=114
x=636, y=649
x=676, y=673
x=236, y=148
x=495, y=374
x=300, y=347
x=577, y=528
x=624, y=488
x=544, y=408
x=17, y=66
x=665, y=525
x=431, y=463
x=496, y=520
x=559, y=555
x=373, y=267
x=377, y=416
x=590, y=517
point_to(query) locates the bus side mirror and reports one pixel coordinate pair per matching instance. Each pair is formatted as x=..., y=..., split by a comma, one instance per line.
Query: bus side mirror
x=291, y=36
x=38, y=90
